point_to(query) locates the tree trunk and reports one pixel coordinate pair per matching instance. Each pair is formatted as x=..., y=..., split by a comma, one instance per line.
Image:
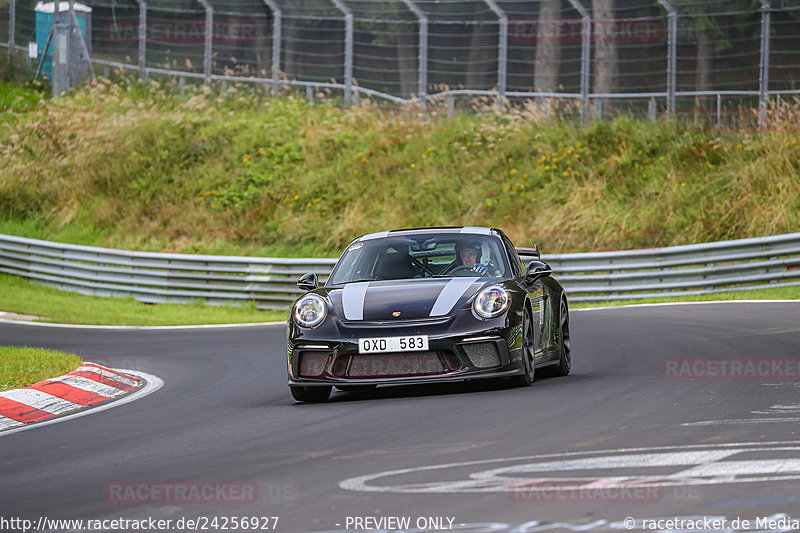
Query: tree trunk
x=605, y=48
x=703, y=74
x=406, y=43
x=482, y=48
x=548, y=52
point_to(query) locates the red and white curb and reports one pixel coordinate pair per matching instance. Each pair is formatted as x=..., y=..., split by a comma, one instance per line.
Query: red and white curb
x=90, y=384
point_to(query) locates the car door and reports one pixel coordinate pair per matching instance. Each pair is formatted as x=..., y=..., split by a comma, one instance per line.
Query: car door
x=537, y=295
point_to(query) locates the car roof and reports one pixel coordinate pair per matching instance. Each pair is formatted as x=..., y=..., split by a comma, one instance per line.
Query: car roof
x=469, y=230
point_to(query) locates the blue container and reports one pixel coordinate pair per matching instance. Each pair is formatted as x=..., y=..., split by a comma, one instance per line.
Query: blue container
x=44, y=20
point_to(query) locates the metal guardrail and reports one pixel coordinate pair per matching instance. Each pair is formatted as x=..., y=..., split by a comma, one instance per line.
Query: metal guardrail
x=757, y=263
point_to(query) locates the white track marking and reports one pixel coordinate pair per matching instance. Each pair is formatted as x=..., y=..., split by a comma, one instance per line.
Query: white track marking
x=40, y=400
x=6, y=422
x=691, y=466
x=106, y=374
x=89, y=385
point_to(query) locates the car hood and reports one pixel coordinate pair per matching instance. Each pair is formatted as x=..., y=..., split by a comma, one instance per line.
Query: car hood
x=403, y=299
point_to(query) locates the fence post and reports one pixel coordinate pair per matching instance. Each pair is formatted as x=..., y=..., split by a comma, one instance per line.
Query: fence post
x=277, y=18
x=12, y=20
x=348, y=51
x=502, y=51
x=422, y=62
x=208, y=39
x=763, y=77
x=672, y=36
x=142, y=39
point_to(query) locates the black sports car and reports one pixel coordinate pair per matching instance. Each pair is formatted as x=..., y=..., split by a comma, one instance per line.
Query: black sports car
x=424, y=306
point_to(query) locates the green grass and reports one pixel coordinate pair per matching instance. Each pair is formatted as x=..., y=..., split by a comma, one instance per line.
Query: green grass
x=52, y=305
x=777, y=293
x=20, y=367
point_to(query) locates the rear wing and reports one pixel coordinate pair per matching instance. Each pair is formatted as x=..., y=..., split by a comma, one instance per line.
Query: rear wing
x=530, y=252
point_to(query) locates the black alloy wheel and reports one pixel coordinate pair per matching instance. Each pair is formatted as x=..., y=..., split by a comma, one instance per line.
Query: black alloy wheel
x=528, y=350
x=565, y=360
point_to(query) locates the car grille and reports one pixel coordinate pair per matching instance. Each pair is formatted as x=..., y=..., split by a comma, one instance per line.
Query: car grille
x=482, y=354
x=312, y=364
x=395, y=364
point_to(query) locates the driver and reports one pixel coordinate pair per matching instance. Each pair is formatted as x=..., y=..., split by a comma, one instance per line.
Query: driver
x=469, y=257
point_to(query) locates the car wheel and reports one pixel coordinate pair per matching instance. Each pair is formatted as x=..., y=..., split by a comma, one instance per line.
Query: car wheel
x=565, y=359
x=528, y=350
x=311, y=394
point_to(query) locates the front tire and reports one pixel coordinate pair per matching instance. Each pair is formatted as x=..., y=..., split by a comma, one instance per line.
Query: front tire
x=310, y=394
x=528, y=350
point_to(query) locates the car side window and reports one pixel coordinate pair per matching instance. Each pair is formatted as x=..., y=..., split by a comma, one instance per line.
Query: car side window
x=516, y=262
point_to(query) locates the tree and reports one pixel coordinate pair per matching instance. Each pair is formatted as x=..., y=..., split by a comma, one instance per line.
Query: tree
x=605, y=48
x=548, y=51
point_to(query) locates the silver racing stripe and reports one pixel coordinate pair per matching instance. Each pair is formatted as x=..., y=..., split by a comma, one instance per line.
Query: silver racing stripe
x=451, y=293
x=353, y=296
x=476, y=230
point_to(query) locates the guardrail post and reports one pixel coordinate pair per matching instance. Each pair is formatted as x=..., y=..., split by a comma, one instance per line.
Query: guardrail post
x=422, y=62
x=277, y=18
x=142, y=36
x=208, y=39
x=586, y=48
x=348, y=51
x=12, y=20
x=502, y=52
x=672, y=36
x=719, y=111
x=763, y=77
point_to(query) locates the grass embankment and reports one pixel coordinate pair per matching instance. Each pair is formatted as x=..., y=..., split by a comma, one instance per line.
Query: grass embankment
x=136, y=167
x=20, y=367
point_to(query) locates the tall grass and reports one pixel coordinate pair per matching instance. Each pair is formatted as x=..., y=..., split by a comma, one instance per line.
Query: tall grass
x=134, y=166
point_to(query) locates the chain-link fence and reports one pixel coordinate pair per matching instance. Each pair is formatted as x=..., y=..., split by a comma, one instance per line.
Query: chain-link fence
x=729, y=62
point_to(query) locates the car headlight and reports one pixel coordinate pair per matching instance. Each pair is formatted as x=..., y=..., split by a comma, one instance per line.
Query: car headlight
x=310, y=311
x=491, y=302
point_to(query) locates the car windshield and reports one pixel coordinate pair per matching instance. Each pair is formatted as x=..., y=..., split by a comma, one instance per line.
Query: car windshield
x=421, y=256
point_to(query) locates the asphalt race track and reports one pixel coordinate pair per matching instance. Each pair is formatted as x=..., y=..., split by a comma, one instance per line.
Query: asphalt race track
x=684, y=413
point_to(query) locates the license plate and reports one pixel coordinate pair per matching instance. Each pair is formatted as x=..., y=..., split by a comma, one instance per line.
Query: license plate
x=413, y=343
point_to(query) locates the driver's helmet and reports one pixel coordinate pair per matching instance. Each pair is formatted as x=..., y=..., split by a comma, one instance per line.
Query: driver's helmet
x=475, y=245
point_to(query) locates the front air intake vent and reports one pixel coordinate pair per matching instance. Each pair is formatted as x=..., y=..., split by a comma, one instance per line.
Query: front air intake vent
x=482, y=354
x=395, y=364
x=312, y=363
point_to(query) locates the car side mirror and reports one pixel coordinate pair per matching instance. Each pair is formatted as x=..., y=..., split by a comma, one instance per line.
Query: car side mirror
x=308, y=282
x=537, y=270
